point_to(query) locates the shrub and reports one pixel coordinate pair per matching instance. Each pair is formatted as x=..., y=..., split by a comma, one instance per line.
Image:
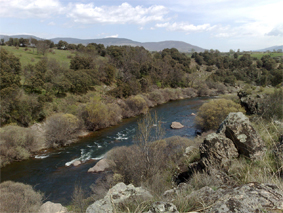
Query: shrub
x=19, y=197
x=273, y=108
x=17, y=143
x=137, y=104
x=211, y=114
x=99, y=115
x=156, y=97
x=60, y=128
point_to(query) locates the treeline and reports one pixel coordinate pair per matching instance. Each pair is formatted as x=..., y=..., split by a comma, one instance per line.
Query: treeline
x=262, y=72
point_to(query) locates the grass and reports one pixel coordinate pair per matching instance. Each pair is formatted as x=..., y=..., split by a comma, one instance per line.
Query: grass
x=258, y=55
x=28, y=57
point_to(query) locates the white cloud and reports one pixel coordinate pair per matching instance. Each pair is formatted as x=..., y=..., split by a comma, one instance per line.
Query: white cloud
x=112, y=36
x=30, y=8
x=122, y=14
x=276, y=31
x=185, y=27
x=51, y=23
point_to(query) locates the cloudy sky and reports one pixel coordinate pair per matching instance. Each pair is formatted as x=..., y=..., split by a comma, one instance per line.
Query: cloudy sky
x=210, y=24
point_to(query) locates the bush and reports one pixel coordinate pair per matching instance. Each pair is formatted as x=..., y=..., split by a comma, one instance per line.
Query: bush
x=137, y=104
x=273, y=108
x=17, y=143
x=211, y=114
x=19, y=197
x=60, y=128
x=99, y=115
x=156, y=97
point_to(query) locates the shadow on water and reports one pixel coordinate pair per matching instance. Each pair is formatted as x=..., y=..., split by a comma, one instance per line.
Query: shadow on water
x=49, y=173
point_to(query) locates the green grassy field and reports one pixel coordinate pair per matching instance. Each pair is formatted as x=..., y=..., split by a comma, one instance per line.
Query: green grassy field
x=30, y=56
x=259, y=54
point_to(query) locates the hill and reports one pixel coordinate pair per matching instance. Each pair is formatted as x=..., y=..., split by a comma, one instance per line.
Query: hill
x=270, y=48
x=151, y=46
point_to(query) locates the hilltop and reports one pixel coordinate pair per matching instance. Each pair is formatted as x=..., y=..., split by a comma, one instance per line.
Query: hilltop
x=151, y=46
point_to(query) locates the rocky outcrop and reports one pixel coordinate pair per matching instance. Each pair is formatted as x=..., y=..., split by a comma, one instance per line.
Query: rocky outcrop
x=50, y=207
x=252, y=104
x=176, y=125
x=217, y=150
x=237, y=127
x=252, y=197
x=120, y=193
x=102, y=165
x=161, y=206
x=235, y=136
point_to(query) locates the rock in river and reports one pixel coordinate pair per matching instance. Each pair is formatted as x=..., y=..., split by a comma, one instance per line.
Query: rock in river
x=176, y=125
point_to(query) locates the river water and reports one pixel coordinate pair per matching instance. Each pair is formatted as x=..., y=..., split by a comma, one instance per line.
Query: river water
x=52, y=174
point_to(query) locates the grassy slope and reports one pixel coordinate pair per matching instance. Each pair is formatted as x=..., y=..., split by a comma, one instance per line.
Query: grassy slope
x=259, y=55
x=28, y=56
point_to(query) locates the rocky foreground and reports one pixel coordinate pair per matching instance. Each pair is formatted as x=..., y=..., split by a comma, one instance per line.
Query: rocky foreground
x=235, y=137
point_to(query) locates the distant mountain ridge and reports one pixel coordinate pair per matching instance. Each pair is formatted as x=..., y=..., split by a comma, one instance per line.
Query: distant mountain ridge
x=270, y=48
x=151, y=46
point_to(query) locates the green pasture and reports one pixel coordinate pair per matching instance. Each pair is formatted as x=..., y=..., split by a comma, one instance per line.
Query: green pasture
x=30, y=55
x=259, y=55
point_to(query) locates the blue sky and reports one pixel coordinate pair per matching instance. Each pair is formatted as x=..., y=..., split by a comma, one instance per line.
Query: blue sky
x=210, y=24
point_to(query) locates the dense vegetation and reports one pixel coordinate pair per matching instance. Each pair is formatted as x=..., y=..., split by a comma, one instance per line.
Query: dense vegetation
x=96, y=86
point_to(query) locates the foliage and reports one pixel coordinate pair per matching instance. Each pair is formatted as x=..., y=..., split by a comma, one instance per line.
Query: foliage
x=212, y=113
x=60, y=129
x=17, y=143
x=19, y=197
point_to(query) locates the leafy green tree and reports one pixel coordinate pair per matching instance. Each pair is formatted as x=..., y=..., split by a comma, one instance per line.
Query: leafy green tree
x=211, y=114
x=62, y=45
x=2, y=41
x=81, y=62
x=9, y=71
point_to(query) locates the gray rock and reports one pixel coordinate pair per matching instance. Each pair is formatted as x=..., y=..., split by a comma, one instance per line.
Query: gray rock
x=252, y=197
x=237, y=127
x=217, y=150
x=50, y=207
x=165, y=207
x=120, y=193
x=176, y=125
x=102, y=165
x=190, y=150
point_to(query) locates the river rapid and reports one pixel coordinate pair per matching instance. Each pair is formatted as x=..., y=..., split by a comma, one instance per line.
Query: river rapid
x=52, y=172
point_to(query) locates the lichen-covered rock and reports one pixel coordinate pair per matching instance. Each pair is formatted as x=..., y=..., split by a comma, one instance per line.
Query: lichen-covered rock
x=165, y=207
x=50, y=207
x=120, y=193
x=217, y=150
x=252, y=197
x=237, y=127
x=176, y=125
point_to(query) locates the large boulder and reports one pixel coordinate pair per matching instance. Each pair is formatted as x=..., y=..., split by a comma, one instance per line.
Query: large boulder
x=102, y=165
x=50, y=207
x=120, y=193
x=217, y=150
x=176, y=125
x=237, y=127
x=252, y=197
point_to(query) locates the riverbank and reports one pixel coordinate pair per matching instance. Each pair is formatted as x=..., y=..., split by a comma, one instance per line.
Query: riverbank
x=61, y=129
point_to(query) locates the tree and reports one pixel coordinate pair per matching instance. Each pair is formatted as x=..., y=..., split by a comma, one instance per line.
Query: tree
x=2, y=41
x=10, y=42
x=42, y=47
x=211, y=114
x=33, y=42
x=62, y=45
x=60, y=128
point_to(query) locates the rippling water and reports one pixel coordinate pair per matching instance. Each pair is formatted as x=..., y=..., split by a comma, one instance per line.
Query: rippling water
x=53, y=174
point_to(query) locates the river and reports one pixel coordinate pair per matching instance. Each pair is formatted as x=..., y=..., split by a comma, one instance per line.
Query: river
x=51, y=174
